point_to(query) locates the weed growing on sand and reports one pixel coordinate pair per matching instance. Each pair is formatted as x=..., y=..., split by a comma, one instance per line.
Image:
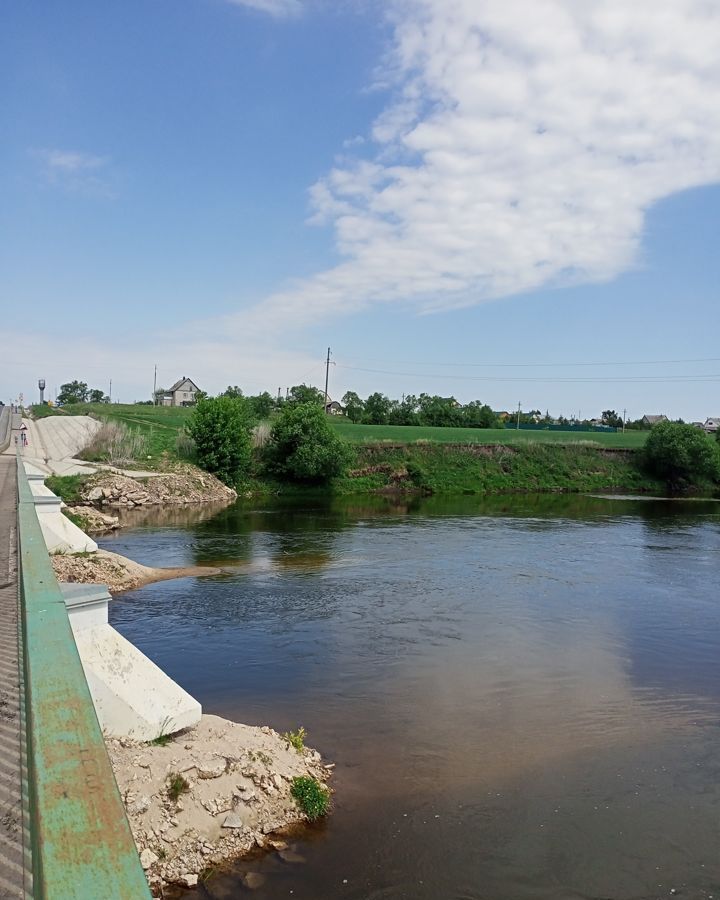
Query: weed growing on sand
x=177, y=785
x=164, y=736
x=296, y=738
x=312, y=797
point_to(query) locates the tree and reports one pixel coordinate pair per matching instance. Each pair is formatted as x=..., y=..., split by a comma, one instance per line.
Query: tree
x=303, y=393
x=479, y=415
x=96, y=396
x=262, y=405
x=377, y=408
x=220, y=427
x=354, y=406
x=682, y=455
x=232, y=391
x=73, y=392
x=304, y=447
x=439, y=411
x=405, y=412
x=610, y=417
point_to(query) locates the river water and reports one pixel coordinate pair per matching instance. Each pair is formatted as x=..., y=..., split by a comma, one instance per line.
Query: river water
x=522, y=694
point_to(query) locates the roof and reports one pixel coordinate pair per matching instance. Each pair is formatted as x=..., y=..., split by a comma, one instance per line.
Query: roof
x=653, y=420
x=180, y=382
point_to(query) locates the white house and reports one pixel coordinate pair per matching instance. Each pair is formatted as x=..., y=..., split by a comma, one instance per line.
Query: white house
x=182, y=393
x=712, y=424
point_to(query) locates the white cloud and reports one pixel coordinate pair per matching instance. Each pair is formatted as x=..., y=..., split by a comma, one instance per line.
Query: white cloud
x=278, y=8
x=524, y=144
x=76, y=172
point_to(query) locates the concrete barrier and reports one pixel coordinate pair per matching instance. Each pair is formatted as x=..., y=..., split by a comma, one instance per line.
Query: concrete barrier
x=132, y=696
x=60, y=534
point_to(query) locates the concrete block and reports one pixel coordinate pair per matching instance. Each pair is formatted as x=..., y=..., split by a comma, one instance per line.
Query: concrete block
x=132, y=696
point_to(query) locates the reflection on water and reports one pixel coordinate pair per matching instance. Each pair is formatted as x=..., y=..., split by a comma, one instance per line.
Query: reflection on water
x=522, y=694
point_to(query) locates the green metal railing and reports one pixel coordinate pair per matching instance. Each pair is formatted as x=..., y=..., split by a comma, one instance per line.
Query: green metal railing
x=81, y=844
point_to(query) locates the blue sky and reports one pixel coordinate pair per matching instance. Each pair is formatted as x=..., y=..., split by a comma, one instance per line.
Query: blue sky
x=468, y=197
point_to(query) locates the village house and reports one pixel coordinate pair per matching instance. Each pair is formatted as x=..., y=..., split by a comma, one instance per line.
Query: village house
x=333, y=408
x=712, y=424
x=182, y=393
x=649, y=421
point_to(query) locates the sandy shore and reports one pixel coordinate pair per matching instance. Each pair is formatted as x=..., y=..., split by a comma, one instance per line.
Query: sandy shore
x=118, y=572
x=236, y=796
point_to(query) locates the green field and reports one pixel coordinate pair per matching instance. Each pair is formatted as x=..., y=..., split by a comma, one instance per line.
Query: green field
x=408, y=434
x=160, y=424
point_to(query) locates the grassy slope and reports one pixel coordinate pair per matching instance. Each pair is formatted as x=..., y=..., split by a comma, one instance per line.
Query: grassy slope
x=529, y=467
x=405, y=434
x=160, y=424
x=519, y=461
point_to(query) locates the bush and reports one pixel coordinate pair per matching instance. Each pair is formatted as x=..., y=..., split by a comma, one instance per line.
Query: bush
x=682, y=455
x=304, y=447
x=312, y=797
x=115, y=443
x=220, y=428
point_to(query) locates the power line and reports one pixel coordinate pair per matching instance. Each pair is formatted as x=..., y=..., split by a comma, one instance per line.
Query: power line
x=552, y=365
x=629, y=379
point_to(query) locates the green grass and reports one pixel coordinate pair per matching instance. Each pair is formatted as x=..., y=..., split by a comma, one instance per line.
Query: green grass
x=67, y=487
x=408, y=434
x=177, y=784
x=160, y=424
x=526, y=467
x=312, y=797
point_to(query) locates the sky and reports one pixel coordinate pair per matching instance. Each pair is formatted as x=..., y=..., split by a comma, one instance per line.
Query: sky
x=516, y=201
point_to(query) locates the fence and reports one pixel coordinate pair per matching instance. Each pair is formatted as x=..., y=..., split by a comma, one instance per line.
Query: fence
x=81, y=844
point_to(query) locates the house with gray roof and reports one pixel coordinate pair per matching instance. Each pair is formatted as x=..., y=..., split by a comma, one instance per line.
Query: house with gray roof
x=182, y=393
x=649, y=421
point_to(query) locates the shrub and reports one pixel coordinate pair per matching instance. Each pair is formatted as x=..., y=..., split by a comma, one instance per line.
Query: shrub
x=312, y=797
x=177, y=784
x=682, y=455
x=220, y=428
x=304, y=447
x=115, y=443
x=296, y=738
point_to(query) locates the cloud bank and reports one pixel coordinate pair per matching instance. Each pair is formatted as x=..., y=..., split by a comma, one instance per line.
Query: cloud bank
x=75, y=172
x=523, y=145
x=277, y=8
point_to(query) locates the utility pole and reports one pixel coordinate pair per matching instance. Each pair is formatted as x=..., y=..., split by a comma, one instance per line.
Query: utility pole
x=624, y=414
x=155, y=387
x=517, y=427
x=327, y=376
x=110, y=394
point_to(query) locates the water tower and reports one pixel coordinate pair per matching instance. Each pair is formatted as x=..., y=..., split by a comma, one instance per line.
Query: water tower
x=41, y=385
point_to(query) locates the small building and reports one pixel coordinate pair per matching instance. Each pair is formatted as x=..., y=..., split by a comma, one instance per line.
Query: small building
x=649, y=421
x=333, y=408
x=712, y=424
x=182, y=393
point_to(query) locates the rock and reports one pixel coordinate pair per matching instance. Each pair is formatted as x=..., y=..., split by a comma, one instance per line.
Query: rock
x=148, y=858
x=189, y=879
x=211, y=768
x=290, y=856
x=253, y=880
x=278, y=845
x=95, y=493
x=233, y=820
x=140, y=806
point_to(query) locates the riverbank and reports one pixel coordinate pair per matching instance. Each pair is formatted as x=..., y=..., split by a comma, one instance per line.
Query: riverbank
x=117, y=572
x=209, y=795
x=495, y=469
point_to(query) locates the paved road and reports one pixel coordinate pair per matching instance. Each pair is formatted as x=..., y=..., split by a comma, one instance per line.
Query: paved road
x=12, y=867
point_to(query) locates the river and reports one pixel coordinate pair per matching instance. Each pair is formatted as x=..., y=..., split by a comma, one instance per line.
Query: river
x=522, y=694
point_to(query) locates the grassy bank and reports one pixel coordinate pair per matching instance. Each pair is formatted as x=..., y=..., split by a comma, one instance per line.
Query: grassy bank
x=437, y=460
x=160, y=425
x=528, y=467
